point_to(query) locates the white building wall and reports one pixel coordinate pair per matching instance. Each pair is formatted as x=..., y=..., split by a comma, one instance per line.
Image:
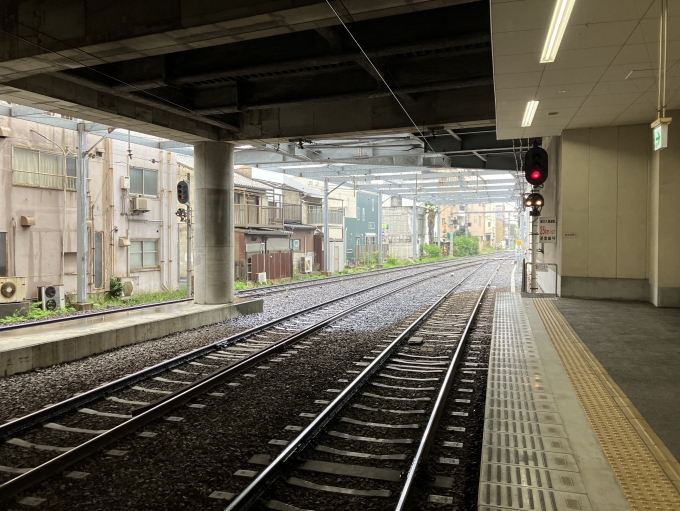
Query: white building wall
x=35, y=252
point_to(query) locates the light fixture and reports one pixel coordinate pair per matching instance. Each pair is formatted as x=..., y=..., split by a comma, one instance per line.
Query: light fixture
x=247, y=146
x=557, y=27
x=529, y=113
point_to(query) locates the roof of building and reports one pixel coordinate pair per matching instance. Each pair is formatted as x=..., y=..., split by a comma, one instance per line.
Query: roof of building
x=239, y=180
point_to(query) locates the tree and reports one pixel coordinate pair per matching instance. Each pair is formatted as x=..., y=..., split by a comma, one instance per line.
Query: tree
x=466, y=246
x=431, y=211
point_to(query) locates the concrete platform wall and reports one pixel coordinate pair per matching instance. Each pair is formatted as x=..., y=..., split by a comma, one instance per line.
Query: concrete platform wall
x=23, y=357
x=617, y=204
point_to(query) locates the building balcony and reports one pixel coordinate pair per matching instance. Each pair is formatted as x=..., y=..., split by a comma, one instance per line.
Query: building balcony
x=253, y=215
x=336, y=216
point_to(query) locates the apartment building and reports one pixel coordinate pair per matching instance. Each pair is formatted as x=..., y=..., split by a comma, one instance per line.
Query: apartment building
x=131, y=226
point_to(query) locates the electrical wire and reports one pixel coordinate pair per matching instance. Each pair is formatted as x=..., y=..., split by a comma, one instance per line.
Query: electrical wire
x=383, y=79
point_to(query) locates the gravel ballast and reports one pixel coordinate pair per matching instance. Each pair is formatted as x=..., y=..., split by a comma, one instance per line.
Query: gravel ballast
x=27, y=392
x=188, y=460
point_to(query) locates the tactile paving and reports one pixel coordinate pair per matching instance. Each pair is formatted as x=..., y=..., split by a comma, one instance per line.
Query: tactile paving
x=527, y=461
x=636, y=455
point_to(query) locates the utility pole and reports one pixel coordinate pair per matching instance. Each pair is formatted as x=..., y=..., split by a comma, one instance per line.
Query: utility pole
x=439, y=226
x=326, y=258
x=190, y=240
x=81, y=216
x=414, y=229
x=380, y=231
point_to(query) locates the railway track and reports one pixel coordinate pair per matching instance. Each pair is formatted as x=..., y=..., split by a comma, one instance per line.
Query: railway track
x=201, y=371
x=371, y=442
x=246, y=293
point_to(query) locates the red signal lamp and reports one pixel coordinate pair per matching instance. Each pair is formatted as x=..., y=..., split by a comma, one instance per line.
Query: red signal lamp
x=536, y=174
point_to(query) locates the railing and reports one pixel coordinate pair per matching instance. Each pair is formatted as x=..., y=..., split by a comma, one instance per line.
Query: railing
x=315, y=215
x=246, y=215
x=292, y=212
x=43, y=180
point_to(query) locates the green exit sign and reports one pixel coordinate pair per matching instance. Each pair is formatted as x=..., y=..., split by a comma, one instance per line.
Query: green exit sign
x=660, y=131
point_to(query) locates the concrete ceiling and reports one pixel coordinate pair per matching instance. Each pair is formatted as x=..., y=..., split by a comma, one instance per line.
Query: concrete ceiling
x=605, y=73
x=259, y=70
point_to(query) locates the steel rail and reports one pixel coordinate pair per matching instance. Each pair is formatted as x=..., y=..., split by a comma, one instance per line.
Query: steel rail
x=432, y=424
x=28, y=421
x=319, y=282
x=266, y=478
x=264, y=290
x=61, y=462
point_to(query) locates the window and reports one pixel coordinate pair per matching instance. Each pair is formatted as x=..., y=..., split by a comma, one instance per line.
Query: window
x=143, y=254
x=3, y=254
x=363, y=214
x=488, y=224
x=39, y=169
x=295, y=245
x=144, y=181
x=371, y=225
x=372, y=204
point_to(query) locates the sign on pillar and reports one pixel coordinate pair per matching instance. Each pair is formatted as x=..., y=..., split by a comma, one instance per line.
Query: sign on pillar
x=547, y=229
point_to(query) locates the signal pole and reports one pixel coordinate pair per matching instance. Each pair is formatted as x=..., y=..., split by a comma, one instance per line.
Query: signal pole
x=190, y=239
x=534, y=246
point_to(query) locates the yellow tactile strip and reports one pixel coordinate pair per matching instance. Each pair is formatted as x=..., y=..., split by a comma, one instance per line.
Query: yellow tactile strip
x=648, y=473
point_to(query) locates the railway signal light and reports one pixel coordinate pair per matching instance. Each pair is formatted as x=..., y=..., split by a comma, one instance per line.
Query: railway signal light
x=183, y=192
x=536, y=165
x=535, y=202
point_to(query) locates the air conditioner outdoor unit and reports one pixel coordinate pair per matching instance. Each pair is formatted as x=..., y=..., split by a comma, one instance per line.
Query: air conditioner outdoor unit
x=51, y=297
x=12, y=289
x=262, y=278
x=140, y=204
x=128, y=285
x=309, y=264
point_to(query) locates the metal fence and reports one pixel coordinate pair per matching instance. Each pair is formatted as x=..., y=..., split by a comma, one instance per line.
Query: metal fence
x=253, y=215
x=315, y=215
x=368, y=254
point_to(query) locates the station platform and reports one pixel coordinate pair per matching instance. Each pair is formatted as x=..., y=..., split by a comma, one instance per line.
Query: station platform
x=560, y=433
x=46, y=345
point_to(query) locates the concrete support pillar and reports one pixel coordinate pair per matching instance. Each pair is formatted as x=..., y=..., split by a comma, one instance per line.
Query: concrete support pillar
x=664, y=269
x=326, y=233
x=214, y=223
x=380, y=231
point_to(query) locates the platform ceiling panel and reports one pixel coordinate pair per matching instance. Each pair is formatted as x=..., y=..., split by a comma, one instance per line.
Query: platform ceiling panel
x=605, y=72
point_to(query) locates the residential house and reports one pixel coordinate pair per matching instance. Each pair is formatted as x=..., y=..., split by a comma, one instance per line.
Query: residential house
x=258, y=227
x=305, y=238
x=362, y=231
x=131, y=227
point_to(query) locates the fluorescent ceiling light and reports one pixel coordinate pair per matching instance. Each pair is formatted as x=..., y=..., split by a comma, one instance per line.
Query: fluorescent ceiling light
x=244, y=147
x=557, y=27
x=529, y=113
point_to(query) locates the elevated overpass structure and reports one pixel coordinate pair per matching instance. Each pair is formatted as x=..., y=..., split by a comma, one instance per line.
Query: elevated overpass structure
x=294, y=84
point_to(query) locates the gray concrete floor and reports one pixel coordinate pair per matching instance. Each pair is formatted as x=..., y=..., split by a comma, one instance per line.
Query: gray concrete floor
x=639, y=346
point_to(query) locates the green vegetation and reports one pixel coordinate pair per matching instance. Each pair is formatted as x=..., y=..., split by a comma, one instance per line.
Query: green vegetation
x=115, y=288
x=139, y=298
x=432, y=250
x=35, y=312
x=102, y=303
x=465, y=246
